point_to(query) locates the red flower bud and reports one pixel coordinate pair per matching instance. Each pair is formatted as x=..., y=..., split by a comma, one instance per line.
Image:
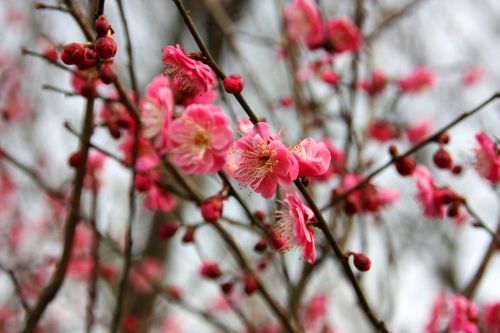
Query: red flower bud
x=250, y=283
x=444, y=138
x=406, y=166
x=107, y=73
x=88, y=88
x=142, y=182
x=210, y=270
x=227, y=287
x=330, y=77
x=233, y=84
x=102, y=26
x=362, y=262
x=442, y=159
x=72, y=53
x=457, y=169
x=189, y=235
x=393, y=150
x=260, y=246
x=105, y=47
x=167, y=230
x=89, y=59
x=211, y=208
x=174, y=292
x=50, y=53
x=114, y=131
x=130, y=323
x=76, y=159
x=259, y=214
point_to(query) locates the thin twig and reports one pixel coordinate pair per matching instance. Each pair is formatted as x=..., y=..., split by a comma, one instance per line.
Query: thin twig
x=17, y=288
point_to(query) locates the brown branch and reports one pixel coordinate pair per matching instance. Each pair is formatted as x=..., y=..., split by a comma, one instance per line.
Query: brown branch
x=479, y=223
x=17, y=288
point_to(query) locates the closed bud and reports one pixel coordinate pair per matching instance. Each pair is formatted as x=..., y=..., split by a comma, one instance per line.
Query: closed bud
x=261, y=215
x=233, y=84
x=210, y=270
x=88, y=60
x=107, y=73
x=393, y=150
x=76, y=159
x=444, y=138
x=260, y=246
x=88, y=88
x=168, y=230
x=211, y=208
x=442, y=159
x=227, y=287
x=105, y=47
x=330, y=77
x=406, y=166
x=362, y=262
x=50, y=53
x=457, y=169
x=143, y=182
x=250, y=284
x=189, y=235
x=72, y=53
x=102, y=26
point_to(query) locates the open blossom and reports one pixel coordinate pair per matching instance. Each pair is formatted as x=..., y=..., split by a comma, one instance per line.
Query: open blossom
x=343, y=35
x=463, y=315
x=293, y=227
x=313, y=157
x=304, y=23
x=418, y=131
x=262, y=161
x=156, y=108
x=487, y=161
x=337, y=161
x=420, y=79
x=200, y=139
x=191, y=76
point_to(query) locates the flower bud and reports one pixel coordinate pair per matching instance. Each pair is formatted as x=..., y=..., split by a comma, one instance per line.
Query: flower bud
x=260, y=246
x=233, y=84
x=105, y=47
x=406, y=166
x=362, y=262
x=442, y=159
x=211, y=208
x=227, y=287
x=189, y=235
x=330, y=77
x=107, y=73
x=250, y=284
x=75, y=160
x=102, y=26
x=72, y=53
x=393, y=150
x=210, y=270
x=88, y=88
x=88, y=60
x=444, y=138
x=143, y=182
x=168, y=230
x=50, y=53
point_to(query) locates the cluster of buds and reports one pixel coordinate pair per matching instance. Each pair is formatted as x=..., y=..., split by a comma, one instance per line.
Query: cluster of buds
x=442, y=158
x=93, y=59
x=405, y=165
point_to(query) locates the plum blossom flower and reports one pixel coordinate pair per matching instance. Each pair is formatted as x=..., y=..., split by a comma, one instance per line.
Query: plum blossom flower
x=418, y=131
x=147, y=158
x=491, y=317
x=337, y=161
x=313, y=157
x=382, y=131
x=293, y=227
x=487, y=160
x=437, y=314
x=463, y=315
x=376, y=84
x=200, y=139
x=304, y=23
x=343, y=35
x=192, y=76
x=262, y=161
x=156, y=108
x=420, y=79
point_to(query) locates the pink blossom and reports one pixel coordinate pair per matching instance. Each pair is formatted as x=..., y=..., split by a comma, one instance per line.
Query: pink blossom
x=418, y=131
x=463, y=315
x=80, y=268
x=293, y=227
x=244, y=125
x=487, y=160
x=158, y=198
x=438, y=312
x=263, y=161
x=304, y=23
x=207, y=97
x=149, y=269
x=157, y=108
x=192, y=76
x=200, y=139
x=343, y=35
x=313, y=157
x=337, y=161
x=420, y=79
x=84, y=237
x=172, y=325
x=314, y=313
x=491, y=317
x=95, y=164
x=382, y=131
x=376, y=84
x=147, y=158
x=473, y=75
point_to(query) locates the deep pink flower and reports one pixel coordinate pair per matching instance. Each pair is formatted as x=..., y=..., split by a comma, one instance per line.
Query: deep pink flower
x=487, y=161
x=158, y=198
x=382, y=131
x=491, y=317
x=343, y=35
x=420, y=79
x=157, y=107
x=313, y=157
x=210, y=270
x=376, y=84
x=262, y=161
x=418, y=131
x=304, y=23
x=200, y=139
x=463, y=315
x=473, y=75
x=293, y=227
x=191, y=75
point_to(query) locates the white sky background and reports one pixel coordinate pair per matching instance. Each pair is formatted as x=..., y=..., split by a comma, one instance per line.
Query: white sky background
x=450, y=36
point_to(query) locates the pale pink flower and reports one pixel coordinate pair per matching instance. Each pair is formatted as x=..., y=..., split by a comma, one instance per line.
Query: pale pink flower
x=418, y=80
x=304, y=23
x=244, y=125
x=156, y=108
x=141, y=276
x=473, y=75
x=158, y=198
x=463, y=316
x=313, y=157
x=491, y=317
x=437, y=315
x=487, y=161
x=343, y=35
x=263, y=161
x=192, y=76
x=419, y=130
x=293, y=227
x=200, y=139
x=172, y=324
